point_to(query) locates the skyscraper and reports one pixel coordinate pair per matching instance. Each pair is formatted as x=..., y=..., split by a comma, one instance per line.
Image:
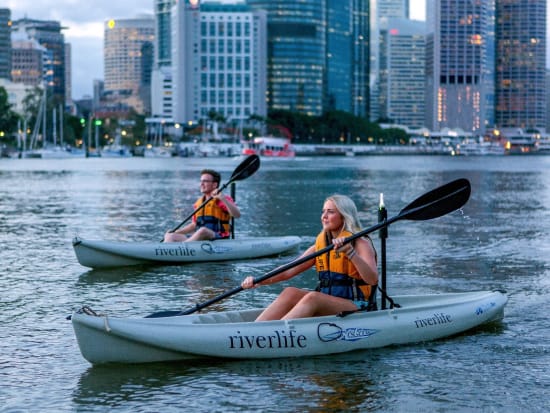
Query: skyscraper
x=460, y=65
x=49, y=34
x=346, y=54
x=318, y=55
x=218, y=61
x=402, y=71
x=161, y=79
x=124, y=42
x=29, y=60
x=380, y=12
x=5, y=43
x=521, y=64
x=393, y=9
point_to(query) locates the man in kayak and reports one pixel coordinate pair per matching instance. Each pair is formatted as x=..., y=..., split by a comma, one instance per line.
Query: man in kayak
x=212, y=221
x=348, y=274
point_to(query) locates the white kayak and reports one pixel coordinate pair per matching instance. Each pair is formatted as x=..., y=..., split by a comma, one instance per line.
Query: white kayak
x=108, y=254
x=234, y=334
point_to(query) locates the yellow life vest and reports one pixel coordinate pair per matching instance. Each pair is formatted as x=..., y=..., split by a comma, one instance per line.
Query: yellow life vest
x=337, y=274
x=213, y=215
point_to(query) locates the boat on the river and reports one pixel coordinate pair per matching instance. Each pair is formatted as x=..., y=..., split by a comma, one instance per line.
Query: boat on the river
x=235, y=335
x=269, y=147
x=108, y=254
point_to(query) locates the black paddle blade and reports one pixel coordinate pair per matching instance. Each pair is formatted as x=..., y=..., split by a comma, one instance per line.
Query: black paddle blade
x=439, y=201
x=246, y=168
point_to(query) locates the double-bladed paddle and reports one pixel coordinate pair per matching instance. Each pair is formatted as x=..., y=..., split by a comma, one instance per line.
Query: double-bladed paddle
x=433, y=204
x=245, y=169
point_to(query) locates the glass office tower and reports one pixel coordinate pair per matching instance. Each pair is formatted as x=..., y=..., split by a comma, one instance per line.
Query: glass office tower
x=5, y=43
x=460, y=65
x=521, y=64
x=318, y=55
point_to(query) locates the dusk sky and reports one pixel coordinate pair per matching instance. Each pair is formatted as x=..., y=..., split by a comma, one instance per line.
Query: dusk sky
x=84, y=29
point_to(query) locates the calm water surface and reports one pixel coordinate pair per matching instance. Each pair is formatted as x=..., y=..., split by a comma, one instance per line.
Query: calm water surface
x=499, y=240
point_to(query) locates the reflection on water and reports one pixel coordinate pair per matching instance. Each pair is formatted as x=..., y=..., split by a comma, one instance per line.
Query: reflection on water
x=236, y=384
x=499, y=240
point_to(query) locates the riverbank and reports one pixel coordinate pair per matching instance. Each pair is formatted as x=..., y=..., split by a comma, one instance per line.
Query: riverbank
x=210, y=150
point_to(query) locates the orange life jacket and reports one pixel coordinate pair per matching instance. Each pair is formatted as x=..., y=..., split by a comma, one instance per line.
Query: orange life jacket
x=214, y=215
x=337, y=274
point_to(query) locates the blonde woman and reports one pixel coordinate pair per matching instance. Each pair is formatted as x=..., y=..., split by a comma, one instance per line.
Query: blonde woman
x=348, y=274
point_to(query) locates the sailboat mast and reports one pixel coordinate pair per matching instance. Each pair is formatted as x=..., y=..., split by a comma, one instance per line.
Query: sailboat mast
x=54, y=127
x=44, y=119
x=61, y=124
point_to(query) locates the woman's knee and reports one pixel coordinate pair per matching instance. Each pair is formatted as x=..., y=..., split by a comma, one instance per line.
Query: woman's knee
x=204, y=233
x=292, y=292
x=313, y=298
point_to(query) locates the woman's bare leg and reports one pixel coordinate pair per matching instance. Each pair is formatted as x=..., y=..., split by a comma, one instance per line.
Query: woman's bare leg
x=201, y=234
x=282, y=304
x=174, y=237
x=318, y=304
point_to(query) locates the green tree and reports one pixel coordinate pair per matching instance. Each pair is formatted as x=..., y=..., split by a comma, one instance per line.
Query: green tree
x=8, y=118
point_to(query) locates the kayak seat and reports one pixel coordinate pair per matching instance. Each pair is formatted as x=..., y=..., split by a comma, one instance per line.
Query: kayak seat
x=228, y=317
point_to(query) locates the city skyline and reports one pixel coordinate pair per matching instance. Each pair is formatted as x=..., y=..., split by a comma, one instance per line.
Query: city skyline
x=84, y=30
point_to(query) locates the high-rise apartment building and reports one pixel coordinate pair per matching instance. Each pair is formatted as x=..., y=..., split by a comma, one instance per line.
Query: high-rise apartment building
x=161, y=78
x=48, y=33
x=31, y=62
x=218, y=61
x=127, y=47
x=318, y=55
x=5, y=43
x=380, y=12
x=521, y=64
x=346, y=57
x=460, y=65
x=402, y=71
x=393, y=9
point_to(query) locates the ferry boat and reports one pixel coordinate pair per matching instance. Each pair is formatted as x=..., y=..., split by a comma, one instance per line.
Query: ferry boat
x=478, y=148
x=270, y=147
x=520, y=144
x=543, y=145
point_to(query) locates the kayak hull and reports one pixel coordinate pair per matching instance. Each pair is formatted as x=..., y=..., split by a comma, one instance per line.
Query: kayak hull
x=110, y=254
x=235, y=335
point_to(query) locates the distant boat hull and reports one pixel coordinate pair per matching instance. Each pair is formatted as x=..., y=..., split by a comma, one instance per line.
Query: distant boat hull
x=115, y=151
x=108, y=254
x=269, y=147
x=235, y=335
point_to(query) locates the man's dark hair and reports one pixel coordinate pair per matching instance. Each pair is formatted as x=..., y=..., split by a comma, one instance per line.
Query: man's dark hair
x=215, y=175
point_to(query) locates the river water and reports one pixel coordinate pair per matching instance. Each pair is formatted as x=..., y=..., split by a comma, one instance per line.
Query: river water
x=498, y=240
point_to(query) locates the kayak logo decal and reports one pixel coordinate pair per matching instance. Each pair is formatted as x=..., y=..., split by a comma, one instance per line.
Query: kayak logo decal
x=211, y=249
x=486, y=307
x=332, y=332
x=277, y=339
x=435, y=320
x=175, y=251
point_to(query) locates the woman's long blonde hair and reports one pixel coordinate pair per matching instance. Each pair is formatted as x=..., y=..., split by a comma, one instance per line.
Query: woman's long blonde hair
x=347, y=208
